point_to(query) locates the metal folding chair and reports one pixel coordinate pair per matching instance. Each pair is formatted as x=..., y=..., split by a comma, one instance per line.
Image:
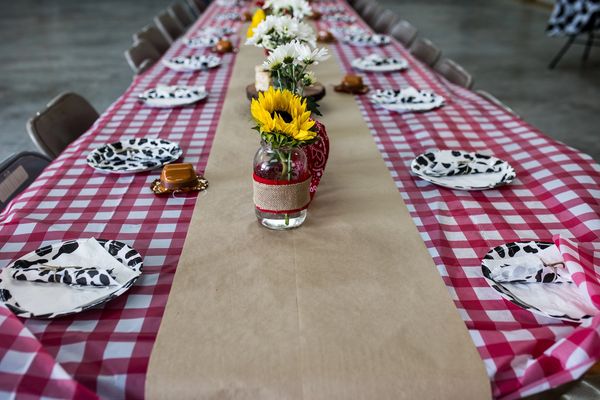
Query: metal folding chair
x=17, y=172
x=453, y=72
x=63, y=120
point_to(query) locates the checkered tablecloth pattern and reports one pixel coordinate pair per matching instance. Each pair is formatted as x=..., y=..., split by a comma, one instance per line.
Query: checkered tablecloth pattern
x=104, y=352
x=557, y=191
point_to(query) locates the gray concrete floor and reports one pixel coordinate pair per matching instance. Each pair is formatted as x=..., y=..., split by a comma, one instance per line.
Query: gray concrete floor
x=49, y=46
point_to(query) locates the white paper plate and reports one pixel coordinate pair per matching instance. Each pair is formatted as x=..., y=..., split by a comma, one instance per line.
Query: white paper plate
x=346, y=19
x=173, y=96
x=201, y=41
x=12, y=293
x=481, y=181
x=562, y=301
x=193, y=63
x=406, y=100
x=367, y=39
x=342, y=31
x=134, y=155
x=376, y=63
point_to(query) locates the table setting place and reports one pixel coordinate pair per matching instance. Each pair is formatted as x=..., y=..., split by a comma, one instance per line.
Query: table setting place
x=374, y=214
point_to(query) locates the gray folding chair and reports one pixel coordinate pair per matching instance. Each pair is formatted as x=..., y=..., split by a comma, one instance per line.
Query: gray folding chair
x=494, y=100
x=169, y=26
x=360, y=5
x=17, y=172
x=179, y=12
x=371, y=11
x=404, y=32
x=152, y=35
x=372, y=14
x=385, y=21
x=453, y=72
x=424, y=50
x=141, y=56
x=63, y=120
x=196, y=10
x=198, y=5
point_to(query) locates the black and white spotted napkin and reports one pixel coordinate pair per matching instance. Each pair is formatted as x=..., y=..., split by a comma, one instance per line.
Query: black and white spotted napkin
x=69, y=275
x=460, y=163
x=547, y=266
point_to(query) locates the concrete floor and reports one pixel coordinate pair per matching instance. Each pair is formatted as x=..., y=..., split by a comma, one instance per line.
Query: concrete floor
x=52, y=46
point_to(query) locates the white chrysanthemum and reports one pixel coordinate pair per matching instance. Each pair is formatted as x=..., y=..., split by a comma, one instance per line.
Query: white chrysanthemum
x=275, y=31
x=284, y=54
x=307, y=56
x=297, y=8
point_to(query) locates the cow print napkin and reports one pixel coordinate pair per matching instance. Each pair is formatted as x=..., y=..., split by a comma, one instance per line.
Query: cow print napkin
x=546, y=266
x=86, y=253
x=460, y=163
x=78, y=276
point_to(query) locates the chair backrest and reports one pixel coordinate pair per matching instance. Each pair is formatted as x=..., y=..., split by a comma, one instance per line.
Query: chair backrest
x=456, y=74
x=372, y=12
x=181, y=14
x=63, y=120
x=404, y=32
x=385, y=21
x=141, y=52
x=424, y=50
x=152, y=35
x=360, y=5
x=197, y=10
x=17, y=172
x=169, y=26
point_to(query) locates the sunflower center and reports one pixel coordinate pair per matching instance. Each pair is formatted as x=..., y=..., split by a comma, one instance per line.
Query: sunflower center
x=284, y=115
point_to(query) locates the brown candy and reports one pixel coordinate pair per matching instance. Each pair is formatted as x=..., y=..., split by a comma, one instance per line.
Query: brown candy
x=315, y=15
x=224, y=46
x=178, y=176
x=352, y=84
x=325, y=37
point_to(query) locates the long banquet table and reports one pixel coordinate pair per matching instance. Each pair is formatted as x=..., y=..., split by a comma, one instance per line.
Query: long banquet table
x=105, y=352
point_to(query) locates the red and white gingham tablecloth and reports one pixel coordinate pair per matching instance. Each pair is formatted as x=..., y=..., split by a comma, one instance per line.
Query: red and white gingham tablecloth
x=104, y=352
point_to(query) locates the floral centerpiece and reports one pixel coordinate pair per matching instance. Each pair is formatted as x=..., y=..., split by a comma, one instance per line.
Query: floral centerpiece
x=281, y=176
x=289, y=64
x=275, y=31
x=298, y=9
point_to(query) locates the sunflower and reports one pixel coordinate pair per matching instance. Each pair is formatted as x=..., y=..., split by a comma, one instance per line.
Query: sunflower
x=257, y=18
x=282, y=117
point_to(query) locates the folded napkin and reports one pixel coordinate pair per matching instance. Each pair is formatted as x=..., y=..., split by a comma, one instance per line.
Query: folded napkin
x=582, y=260
x=43, y=298
x=70, y=275
x=546, y=266
x=460, y=163
x=378, y=60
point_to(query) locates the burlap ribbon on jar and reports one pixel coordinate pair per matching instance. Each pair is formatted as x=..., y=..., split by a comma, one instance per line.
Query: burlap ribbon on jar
x=280, y=197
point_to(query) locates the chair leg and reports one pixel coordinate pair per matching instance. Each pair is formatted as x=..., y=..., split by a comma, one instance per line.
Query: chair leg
x=588, y=46
x=562, y=52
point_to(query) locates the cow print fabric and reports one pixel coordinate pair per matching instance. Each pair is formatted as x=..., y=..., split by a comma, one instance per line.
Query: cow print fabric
x=134, y=155
x=74, y=276
x=572, y=17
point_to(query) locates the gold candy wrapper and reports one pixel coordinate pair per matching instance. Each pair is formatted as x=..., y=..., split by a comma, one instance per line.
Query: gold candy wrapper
x=158, y=188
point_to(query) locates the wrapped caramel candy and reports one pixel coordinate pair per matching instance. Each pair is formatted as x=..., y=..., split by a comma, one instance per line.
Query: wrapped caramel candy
x=325, y=37
x=178, y=178
x=352, y=84
x=224, y=46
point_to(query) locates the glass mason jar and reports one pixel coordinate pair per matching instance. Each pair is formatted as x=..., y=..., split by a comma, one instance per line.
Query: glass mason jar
x=281, y=191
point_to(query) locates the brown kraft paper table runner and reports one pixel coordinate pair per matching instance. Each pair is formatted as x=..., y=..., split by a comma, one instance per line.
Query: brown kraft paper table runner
x=348, y=306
